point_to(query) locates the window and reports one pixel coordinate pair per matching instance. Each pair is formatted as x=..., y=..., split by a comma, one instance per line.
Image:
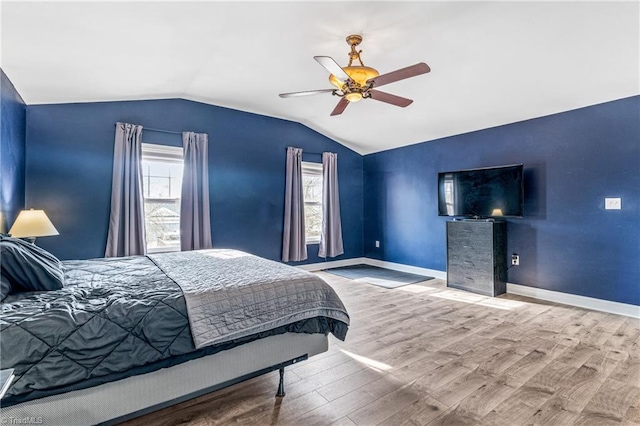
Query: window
x=312, y=193
x=162, y=185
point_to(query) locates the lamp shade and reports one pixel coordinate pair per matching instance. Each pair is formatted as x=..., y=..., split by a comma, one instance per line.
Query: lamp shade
x=32, y=223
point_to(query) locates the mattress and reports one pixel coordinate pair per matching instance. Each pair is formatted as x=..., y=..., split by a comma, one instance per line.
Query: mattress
x=113, y=402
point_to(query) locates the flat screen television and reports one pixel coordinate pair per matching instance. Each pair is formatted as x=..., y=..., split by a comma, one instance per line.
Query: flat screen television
x=490, y=192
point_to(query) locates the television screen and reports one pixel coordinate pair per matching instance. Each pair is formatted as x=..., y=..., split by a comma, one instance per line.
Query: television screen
x=482, y=193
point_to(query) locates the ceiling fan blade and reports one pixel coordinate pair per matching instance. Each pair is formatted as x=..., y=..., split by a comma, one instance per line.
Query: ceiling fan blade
x=400, y=74
x=390, y=99
x=332, y=66
x=342, y=105
x=306, y=93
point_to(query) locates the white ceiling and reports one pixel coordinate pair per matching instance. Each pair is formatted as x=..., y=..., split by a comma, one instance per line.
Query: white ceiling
x=492, y=62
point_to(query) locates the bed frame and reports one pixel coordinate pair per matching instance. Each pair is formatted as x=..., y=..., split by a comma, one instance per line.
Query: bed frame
x=114, y=402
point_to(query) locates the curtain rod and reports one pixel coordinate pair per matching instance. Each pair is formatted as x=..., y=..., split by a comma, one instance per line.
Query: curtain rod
x=309, y=152
x=158, y=130
x=162, y=131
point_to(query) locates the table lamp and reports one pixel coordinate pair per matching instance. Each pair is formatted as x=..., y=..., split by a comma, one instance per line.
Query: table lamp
x=31, y=224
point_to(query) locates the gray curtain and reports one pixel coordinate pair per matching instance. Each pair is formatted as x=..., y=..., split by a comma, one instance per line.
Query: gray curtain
x=195, y=222
x=331, y=237
x=126, y=224
x=294, y=244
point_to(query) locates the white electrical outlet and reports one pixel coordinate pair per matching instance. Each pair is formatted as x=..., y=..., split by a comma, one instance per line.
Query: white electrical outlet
x=515, y=260
x=377, y=244
x=613, y=203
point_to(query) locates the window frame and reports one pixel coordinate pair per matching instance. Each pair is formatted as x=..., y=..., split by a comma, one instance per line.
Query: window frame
x=312, y=169
x=166, y=154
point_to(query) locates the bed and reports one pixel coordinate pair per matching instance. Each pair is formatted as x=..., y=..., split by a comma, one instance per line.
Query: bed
x=126, y=336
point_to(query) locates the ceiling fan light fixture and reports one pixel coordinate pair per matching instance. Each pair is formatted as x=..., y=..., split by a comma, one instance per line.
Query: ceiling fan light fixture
x=353, y=97
x=359, y=74
x=357, y=82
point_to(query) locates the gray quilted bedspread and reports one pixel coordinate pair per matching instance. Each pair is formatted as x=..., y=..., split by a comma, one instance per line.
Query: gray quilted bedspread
x=121, y=316
x=111, y=315
x=231, y=294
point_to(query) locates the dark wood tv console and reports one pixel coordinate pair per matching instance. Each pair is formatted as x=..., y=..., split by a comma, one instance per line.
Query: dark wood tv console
x=477, y=256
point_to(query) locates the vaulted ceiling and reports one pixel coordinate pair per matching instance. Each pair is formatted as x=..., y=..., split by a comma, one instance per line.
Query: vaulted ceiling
x=492, y=63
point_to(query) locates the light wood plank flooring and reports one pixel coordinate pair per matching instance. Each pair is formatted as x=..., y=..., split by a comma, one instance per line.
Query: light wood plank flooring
x=428, y=355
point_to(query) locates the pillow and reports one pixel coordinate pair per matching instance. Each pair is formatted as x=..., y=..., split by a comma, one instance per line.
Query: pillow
x=5, y=287
x=28, y=267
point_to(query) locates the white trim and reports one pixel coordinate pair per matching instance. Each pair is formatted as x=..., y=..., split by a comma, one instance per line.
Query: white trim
x=373, y=262
x=407, y=268
x=618, y=308
x=312, y=267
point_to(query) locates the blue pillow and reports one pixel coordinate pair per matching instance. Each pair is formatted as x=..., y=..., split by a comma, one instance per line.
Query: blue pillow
x=28, y=267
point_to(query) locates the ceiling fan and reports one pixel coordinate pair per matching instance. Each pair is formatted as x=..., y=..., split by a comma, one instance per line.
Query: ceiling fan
x=356, y=82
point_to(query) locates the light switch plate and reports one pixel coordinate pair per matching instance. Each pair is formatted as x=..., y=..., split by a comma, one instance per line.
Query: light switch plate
x=613, y=203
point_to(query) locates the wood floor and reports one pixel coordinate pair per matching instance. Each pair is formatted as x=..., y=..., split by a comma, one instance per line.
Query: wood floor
x=428, y=355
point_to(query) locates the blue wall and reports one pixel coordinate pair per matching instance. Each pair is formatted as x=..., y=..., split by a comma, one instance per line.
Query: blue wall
x=567, y=242
x=69, y=166
x=12, y=152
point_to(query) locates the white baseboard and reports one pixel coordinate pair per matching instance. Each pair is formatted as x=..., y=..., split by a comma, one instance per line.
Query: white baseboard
x=374, y=262
x=618, y=308
x=406, y=268
x=625, y=309
x=312, y=267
